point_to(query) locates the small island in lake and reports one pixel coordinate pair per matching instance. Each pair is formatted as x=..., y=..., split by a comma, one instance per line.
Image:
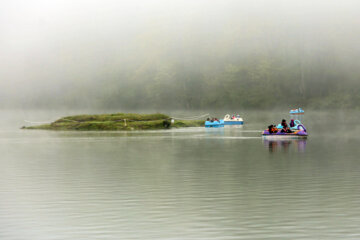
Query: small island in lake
x=117, y=121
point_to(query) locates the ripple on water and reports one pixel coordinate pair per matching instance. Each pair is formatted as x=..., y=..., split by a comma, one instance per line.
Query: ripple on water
x=181, y=184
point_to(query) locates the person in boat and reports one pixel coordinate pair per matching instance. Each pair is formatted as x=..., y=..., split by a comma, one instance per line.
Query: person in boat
x=238, y=116
x=208, y=119
x=292, y=123
x=216, y=120
x=233, y=117
x=286, y=128
x=272, y=129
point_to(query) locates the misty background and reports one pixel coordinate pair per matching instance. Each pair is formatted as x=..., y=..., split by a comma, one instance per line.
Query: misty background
x=179, y=54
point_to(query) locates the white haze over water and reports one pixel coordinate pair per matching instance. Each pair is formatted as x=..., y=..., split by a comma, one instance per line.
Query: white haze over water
x=54, y=47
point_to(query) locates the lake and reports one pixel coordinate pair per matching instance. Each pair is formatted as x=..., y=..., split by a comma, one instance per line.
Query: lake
x=192, y=183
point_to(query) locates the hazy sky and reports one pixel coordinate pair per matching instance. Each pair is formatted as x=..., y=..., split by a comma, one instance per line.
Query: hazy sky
x=54, y=43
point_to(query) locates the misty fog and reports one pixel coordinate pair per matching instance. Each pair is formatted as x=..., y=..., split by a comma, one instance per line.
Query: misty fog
x=179, y=54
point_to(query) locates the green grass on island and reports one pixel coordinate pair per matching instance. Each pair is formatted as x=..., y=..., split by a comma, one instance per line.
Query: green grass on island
x=116, y=122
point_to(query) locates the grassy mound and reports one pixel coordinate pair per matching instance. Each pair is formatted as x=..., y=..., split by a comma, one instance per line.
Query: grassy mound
x=117, y=121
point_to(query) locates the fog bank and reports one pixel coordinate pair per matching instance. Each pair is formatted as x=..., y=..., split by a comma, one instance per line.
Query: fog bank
x=179, y=54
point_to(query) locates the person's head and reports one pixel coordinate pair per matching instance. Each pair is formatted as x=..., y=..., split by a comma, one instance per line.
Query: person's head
x=292, y=120
x=283, y=120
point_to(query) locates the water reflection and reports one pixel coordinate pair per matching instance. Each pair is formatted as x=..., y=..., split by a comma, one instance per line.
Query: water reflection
x=234, y=126
x=285, y=145
x=220, y=131
x=192, y=183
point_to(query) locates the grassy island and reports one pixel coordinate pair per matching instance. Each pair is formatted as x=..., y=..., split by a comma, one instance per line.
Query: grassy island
x=117, y=121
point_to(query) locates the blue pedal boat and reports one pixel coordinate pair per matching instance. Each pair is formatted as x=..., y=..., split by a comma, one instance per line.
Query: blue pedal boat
x=297, y=111
x=214, y=124
x=234, y=120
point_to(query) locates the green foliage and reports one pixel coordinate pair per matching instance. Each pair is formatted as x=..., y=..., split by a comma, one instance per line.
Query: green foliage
x=188, y=123
x=113, y=117
x=114, y=122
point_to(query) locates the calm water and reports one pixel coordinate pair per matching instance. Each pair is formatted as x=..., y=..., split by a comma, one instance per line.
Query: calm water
x=181, y=184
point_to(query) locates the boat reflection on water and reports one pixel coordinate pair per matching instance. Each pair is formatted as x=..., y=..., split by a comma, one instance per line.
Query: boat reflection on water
x=284, y=145
x=233, y=126
x=219, y=131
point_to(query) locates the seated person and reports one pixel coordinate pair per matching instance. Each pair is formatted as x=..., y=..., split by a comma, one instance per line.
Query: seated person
x=292, y=123
x=272, y=129
x=285, y=129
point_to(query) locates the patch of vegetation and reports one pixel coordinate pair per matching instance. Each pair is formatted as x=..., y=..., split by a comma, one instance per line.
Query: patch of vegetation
x=114, y=117
x=118, y=121
x=188, y=123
